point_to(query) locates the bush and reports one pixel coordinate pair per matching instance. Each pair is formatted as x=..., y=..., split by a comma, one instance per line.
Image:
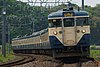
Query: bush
x=95, y=54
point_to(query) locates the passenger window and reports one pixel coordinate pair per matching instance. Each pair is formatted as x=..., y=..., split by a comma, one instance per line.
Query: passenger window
x=82, y=21
x=68, y=22
x=55, y=23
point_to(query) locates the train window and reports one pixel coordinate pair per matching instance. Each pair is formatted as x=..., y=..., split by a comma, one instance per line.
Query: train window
x=55, y=23
x=68, y=22
x=82, y=21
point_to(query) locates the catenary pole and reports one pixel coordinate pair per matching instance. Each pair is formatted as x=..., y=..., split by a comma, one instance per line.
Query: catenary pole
x=4, y=29
x=82, y=4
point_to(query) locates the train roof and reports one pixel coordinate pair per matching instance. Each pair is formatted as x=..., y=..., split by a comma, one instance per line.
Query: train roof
x=33, y=35
x=61, y=13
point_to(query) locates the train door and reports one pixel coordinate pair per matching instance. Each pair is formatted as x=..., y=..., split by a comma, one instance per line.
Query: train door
x=69, y=34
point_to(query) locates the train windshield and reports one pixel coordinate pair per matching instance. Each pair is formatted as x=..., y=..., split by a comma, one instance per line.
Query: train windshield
x=55, y=23
x=82, y=21
x=68, y=22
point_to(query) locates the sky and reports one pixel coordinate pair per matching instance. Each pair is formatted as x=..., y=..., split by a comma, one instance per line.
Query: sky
x=87, y=2
x=78, y=2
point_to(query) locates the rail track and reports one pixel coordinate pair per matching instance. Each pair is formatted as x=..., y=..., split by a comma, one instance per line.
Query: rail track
x=32, y=60
x=47, y=61
x=23, y=60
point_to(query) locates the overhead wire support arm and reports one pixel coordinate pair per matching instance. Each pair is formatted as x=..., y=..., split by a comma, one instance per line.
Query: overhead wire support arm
x=46, y=2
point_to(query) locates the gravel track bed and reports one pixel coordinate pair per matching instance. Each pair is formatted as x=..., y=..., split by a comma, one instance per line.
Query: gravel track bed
x=53, y=64
x=45, y=61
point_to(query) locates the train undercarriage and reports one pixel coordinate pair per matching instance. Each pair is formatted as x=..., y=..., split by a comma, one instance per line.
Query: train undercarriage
x=56, y=53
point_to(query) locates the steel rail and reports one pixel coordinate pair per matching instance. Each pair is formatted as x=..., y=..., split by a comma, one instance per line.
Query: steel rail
x=23, y=60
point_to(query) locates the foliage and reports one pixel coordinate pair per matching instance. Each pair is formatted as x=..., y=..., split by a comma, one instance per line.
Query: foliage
x=95, y=54
x=9, y=55
x=94, y=14
x=5, y=59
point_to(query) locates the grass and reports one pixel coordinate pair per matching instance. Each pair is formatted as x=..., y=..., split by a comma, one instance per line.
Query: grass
x=95, y=54
x=7, y=58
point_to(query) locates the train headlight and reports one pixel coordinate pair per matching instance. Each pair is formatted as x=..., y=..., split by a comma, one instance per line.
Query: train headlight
x=83, y=31
x=55, y=32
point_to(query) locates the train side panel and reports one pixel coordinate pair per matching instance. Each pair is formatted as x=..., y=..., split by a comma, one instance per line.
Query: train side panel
x=38, y=42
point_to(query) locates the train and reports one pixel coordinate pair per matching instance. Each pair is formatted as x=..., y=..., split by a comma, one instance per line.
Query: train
x=67, y=35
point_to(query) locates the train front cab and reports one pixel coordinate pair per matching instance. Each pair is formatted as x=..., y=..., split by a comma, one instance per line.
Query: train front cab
x=70, y=35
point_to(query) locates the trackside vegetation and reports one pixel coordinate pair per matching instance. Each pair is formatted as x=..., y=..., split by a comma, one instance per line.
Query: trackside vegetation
x=95, y=53
x=8, y=57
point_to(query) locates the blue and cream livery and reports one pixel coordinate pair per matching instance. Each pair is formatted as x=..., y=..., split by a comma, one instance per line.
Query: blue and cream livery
x=68, y=34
